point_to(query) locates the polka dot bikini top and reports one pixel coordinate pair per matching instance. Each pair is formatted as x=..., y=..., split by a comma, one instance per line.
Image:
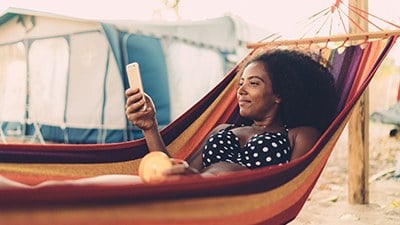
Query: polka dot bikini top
x=260, y=150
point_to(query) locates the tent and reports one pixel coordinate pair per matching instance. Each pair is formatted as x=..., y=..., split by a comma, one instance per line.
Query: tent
x=62, y=79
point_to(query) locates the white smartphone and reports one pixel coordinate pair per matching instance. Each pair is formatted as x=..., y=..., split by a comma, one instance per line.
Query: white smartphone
x=134, y=78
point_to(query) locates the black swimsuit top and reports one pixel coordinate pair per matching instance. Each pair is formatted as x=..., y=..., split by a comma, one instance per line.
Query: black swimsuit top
x=260, y=150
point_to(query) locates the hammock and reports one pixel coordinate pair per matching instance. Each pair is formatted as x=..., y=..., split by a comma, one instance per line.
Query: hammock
x=270, y=195
x=47, y=189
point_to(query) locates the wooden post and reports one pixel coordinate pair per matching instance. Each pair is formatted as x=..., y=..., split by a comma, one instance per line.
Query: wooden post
x=358, y=157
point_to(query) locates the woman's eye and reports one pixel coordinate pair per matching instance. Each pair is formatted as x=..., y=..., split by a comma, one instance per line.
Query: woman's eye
x=249, y=82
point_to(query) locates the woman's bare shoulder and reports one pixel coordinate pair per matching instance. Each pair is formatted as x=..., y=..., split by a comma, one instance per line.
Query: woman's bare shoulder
x=302, y=139
x=305, y=131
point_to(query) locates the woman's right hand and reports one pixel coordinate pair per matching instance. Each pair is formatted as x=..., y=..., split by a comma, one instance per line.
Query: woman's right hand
x=143, y=119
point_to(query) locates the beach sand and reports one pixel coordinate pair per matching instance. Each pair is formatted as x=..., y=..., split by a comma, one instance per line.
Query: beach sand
x=328, y=202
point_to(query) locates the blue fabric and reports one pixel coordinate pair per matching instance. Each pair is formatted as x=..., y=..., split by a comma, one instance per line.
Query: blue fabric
x=148, y=52
x=113, y=38
x=58, y=135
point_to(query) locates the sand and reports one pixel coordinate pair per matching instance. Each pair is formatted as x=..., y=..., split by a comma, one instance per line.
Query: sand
x=328, y=202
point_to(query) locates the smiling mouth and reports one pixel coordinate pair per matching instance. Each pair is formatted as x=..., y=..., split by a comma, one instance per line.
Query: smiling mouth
x=243, y=102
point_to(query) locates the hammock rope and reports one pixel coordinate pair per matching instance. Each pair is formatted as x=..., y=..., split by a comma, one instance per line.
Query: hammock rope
x=270, y=195
x=337, y=11
x=355, y=9
x=276, y=185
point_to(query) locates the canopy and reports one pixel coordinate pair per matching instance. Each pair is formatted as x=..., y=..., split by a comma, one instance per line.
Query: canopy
x=63, y=79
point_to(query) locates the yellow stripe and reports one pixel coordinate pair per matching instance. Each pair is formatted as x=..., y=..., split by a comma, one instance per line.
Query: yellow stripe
x=191, y=209
x=190, y=132
x=87, y=170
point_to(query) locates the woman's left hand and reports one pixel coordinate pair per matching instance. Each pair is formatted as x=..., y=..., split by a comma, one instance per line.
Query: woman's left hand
x=180, y=168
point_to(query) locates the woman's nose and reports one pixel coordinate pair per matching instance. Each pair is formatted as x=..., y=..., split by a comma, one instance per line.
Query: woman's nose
x=241, y=90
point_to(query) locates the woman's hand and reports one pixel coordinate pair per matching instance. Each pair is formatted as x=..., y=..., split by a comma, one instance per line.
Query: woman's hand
x=220, y=168
x=144, y=119
x=180, y=168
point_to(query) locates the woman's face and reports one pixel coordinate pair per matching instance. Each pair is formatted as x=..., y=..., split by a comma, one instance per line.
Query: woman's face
x=255, y=96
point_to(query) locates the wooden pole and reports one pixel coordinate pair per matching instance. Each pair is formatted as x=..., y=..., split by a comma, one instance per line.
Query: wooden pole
x=333, y=38
x=358, y=155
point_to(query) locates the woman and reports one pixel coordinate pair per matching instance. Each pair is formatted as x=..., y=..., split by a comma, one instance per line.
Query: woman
x=289, y=99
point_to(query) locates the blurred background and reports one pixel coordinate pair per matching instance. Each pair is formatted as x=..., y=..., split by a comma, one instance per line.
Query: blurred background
x=69, y=58
x=278, y=16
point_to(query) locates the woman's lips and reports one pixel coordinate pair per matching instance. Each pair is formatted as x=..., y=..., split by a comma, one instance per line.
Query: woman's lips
x=243, y=102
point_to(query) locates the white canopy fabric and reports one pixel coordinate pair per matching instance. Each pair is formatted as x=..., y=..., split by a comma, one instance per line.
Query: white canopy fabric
x=66, y=76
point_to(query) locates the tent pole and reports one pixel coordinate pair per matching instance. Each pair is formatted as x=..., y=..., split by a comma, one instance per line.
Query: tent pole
x=358, y=152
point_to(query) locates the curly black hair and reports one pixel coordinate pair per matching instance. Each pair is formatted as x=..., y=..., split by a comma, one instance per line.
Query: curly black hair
x=305, y=86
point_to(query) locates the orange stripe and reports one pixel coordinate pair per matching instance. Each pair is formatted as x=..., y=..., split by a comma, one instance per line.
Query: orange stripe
x=198, y=131
x=71, y=170
x=369, y=57
x=239, y=209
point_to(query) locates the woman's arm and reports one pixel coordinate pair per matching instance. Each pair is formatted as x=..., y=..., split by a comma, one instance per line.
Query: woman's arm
x=144, y=119
x=147, y=122
x=222, y=168
x=303, y=139
x=195, y=162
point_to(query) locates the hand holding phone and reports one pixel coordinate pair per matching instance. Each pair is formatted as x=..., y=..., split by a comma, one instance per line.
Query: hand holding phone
x=134, y=78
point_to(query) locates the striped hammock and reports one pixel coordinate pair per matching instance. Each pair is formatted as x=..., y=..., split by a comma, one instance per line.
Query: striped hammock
x=270, y=195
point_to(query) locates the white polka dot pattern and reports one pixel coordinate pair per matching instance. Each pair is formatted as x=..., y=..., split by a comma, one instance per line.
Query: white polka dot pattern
x=261, y=149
